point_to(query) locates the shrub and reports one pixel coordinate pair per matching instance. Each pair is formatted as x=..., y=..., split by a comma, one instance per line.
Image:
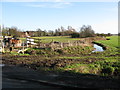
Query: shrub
x=117, y=71
x=29, y=51
x=60, y=51
x=75, y=35
x=108, y=70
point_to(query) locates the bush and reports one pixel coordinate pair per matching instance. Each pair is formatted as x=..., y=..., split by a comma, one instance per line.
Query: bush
x=30, y=51
x=75, y=35
x=117, y=71
x=108, y=70
x=60, y=51
x=34, y=51
x=40, y=52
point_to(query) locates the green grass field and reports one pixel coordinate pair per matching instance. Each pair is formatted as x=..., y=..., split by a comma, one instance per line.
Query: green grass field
x=48, y=39
x=113, y=42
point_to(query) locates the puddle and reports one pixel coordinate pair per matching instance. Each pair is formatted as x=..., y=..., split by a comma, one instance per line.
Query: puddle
x=98, y=48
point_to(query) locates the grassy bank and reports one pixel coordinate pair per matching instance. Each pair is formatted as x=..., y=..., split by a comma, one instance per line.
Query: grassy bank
x=111, y=42
x=109, y=65
x=77, y=59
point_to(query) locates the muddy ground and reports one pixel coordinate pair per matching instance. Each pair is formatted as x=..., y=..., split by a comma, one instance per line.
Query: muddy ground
x=64, y=77
x=34, y=61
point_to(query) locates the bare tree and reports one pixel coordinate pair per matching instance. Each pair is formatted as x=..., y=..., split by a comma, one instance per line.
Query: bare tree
x=87, y=31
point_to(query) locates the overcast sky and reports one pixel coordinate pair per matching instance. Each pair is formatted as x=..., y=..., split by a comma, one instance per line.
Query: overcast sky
x=102, y=16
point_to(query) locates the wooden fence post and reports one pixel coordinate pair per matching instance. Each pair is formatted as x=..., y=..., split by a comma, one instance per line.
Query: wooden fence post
x=23, y=47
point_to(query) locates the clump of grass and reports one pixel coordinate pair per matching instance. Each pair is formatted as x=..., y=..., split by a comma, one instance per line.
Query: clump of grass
x=78, y=50
x=44, y=52
x=105, y=68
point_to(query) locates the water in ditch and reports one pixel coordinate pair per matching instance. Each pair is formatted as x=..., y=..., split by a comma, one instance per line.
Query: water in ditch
x=98, y=48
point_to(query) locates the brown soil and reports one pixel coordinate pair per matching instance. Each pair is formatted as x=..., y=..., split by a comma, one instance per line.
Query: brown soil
x=63, y=77
x=38, y=61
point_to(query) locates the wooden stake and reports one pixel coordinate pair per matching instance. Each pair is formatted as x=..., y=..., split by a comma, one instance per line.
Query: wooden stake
x=23, y=47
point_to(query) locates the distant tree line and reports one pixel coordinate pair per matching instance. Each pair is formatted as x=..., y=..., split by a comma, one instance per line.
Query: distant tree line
x=85, y=31
x=13, y=31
